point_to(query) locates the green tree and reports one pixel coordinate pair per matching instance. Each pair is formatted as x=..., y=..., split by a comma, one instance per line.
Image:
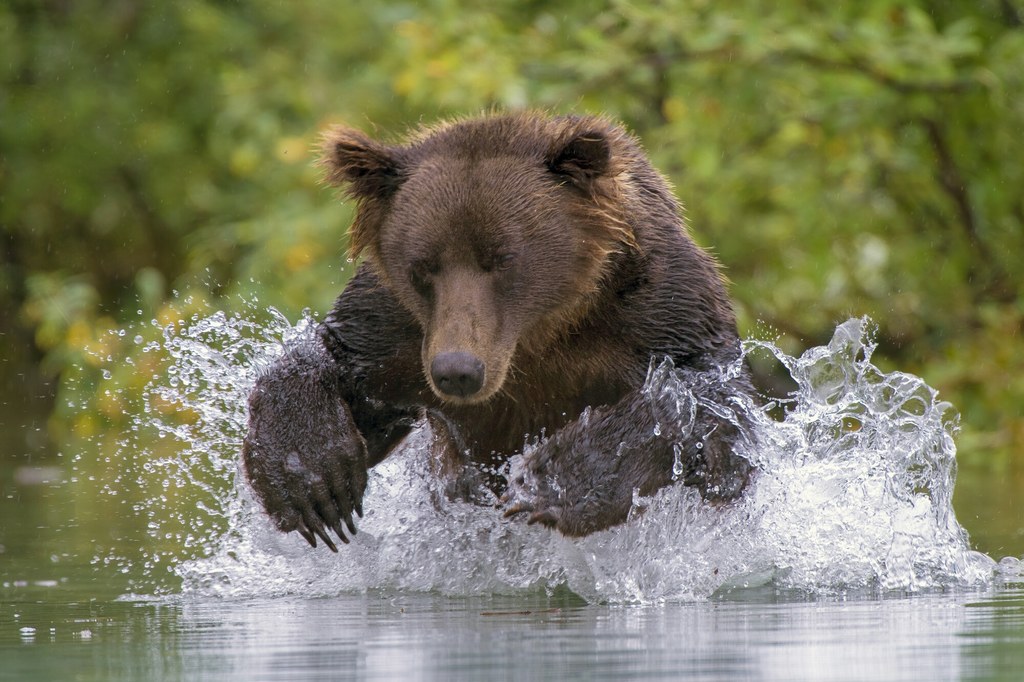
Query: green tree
x=842, y=159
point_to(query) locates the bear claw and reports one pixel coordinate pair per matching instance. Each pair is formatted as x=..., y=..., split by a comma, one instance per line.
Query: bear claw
x=517, y=508
x=546, y=518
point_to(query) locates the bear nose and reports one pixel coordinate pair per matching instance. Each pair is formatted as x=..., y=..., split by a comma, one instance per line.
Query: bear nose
x=457, y=373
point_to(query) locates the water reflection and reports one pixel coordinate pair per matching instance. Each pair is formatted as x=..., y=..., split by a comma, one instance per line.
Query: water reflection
x=941, y=636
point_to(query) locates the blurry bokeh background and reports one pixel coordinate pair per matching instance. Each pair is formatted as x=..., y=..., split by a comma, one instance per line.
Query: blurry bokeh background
x=841, y=159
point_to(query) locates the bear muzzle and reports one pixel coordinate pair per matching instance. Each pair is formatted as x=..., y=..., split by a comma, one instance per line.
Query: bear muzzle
x=457, y=374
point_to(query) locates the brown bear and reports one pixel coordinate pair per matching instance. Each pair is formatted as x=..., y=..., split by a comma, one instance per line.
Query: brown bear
x=522, y=274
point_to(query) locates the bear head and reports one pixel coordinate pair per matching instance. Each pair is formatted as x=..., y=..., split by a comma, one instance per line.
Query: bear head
x=495, y=233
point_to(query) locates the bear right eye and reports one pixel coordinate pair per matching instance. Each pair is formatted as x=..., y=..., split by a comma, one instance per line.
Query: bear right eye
x=501, y=262
x=419, y=276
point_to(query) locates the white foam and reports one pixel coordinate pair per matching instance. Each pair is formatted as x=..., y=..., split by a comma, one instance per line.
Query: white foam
x=853, y=492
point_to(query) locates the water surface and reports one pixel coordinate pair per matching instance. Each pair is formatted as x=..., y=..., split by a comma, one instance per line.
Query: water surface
x=976, y=635
x=144, y=556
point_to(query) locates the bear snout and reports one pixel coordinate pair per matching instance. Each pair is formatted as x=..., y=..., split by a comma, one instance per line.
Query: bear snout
x=457, y=373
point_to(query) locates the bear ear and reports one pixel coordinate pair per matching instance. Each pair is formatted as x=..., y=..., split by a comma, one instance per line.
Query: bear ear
x=583, y=158
x=367, y=168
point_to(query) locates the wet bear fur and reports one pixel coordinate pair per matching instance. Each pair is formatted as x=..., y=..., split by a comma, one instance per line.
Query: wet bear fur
x=520, y=273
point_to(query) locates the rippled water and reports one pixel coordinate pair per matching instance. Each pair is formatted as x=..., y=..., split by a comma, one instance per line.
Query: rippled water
x=414, y=636
x=853, y=495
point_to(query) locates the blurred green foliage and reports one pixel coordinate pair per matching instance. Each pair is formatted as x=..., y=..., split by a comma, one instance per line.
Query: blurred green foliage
x=840, y=158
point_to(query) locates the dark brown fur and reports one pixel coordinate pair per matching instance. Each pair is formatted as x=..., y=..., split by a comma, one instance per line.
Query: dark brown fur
x=549, y=252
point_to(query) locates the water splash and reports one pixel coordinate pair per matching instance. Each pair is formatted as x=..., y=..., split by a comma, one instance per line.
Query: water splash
x=853, y=492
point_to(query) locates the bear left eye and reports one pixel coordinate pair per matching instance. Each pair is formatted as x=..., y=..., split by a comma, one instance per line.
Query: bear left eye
x=420, y=274
x=501, y=261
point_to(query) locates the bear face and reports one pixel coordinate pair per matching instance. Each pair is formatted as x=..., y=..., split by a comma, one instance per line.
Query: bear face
x=447, y=221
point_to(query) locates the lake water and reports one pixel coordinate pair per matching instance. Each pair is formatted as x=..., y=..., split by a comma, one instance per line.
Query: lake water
x=977, y=635
x=143, y=556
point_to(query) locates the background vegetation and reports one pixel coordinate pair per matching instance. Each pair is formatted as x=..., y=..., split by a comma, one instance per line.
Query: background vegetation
x=841, y=158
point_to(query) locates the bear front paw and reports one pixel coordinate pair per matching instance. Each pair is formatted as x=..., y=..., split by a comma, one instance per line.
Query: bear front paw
x=531, y=492
x=305, y=458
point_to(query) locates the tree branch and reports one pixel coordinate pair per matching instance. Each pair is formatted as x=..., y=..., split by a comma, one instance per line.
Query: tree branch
x=952, y=182
x=1011, y=14
x=862, y=67
x=995, y=284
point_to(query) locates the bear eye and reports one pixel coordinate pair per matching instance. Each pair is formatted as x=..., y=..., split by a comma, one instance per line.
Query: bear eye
x=420, y=273
x=501, y=262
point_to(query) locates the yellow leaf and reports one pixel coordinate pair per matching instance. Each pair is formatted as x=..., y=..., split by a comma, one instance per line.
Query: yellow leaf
x=674, y=109
x=292, y=149
x=299, y=256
